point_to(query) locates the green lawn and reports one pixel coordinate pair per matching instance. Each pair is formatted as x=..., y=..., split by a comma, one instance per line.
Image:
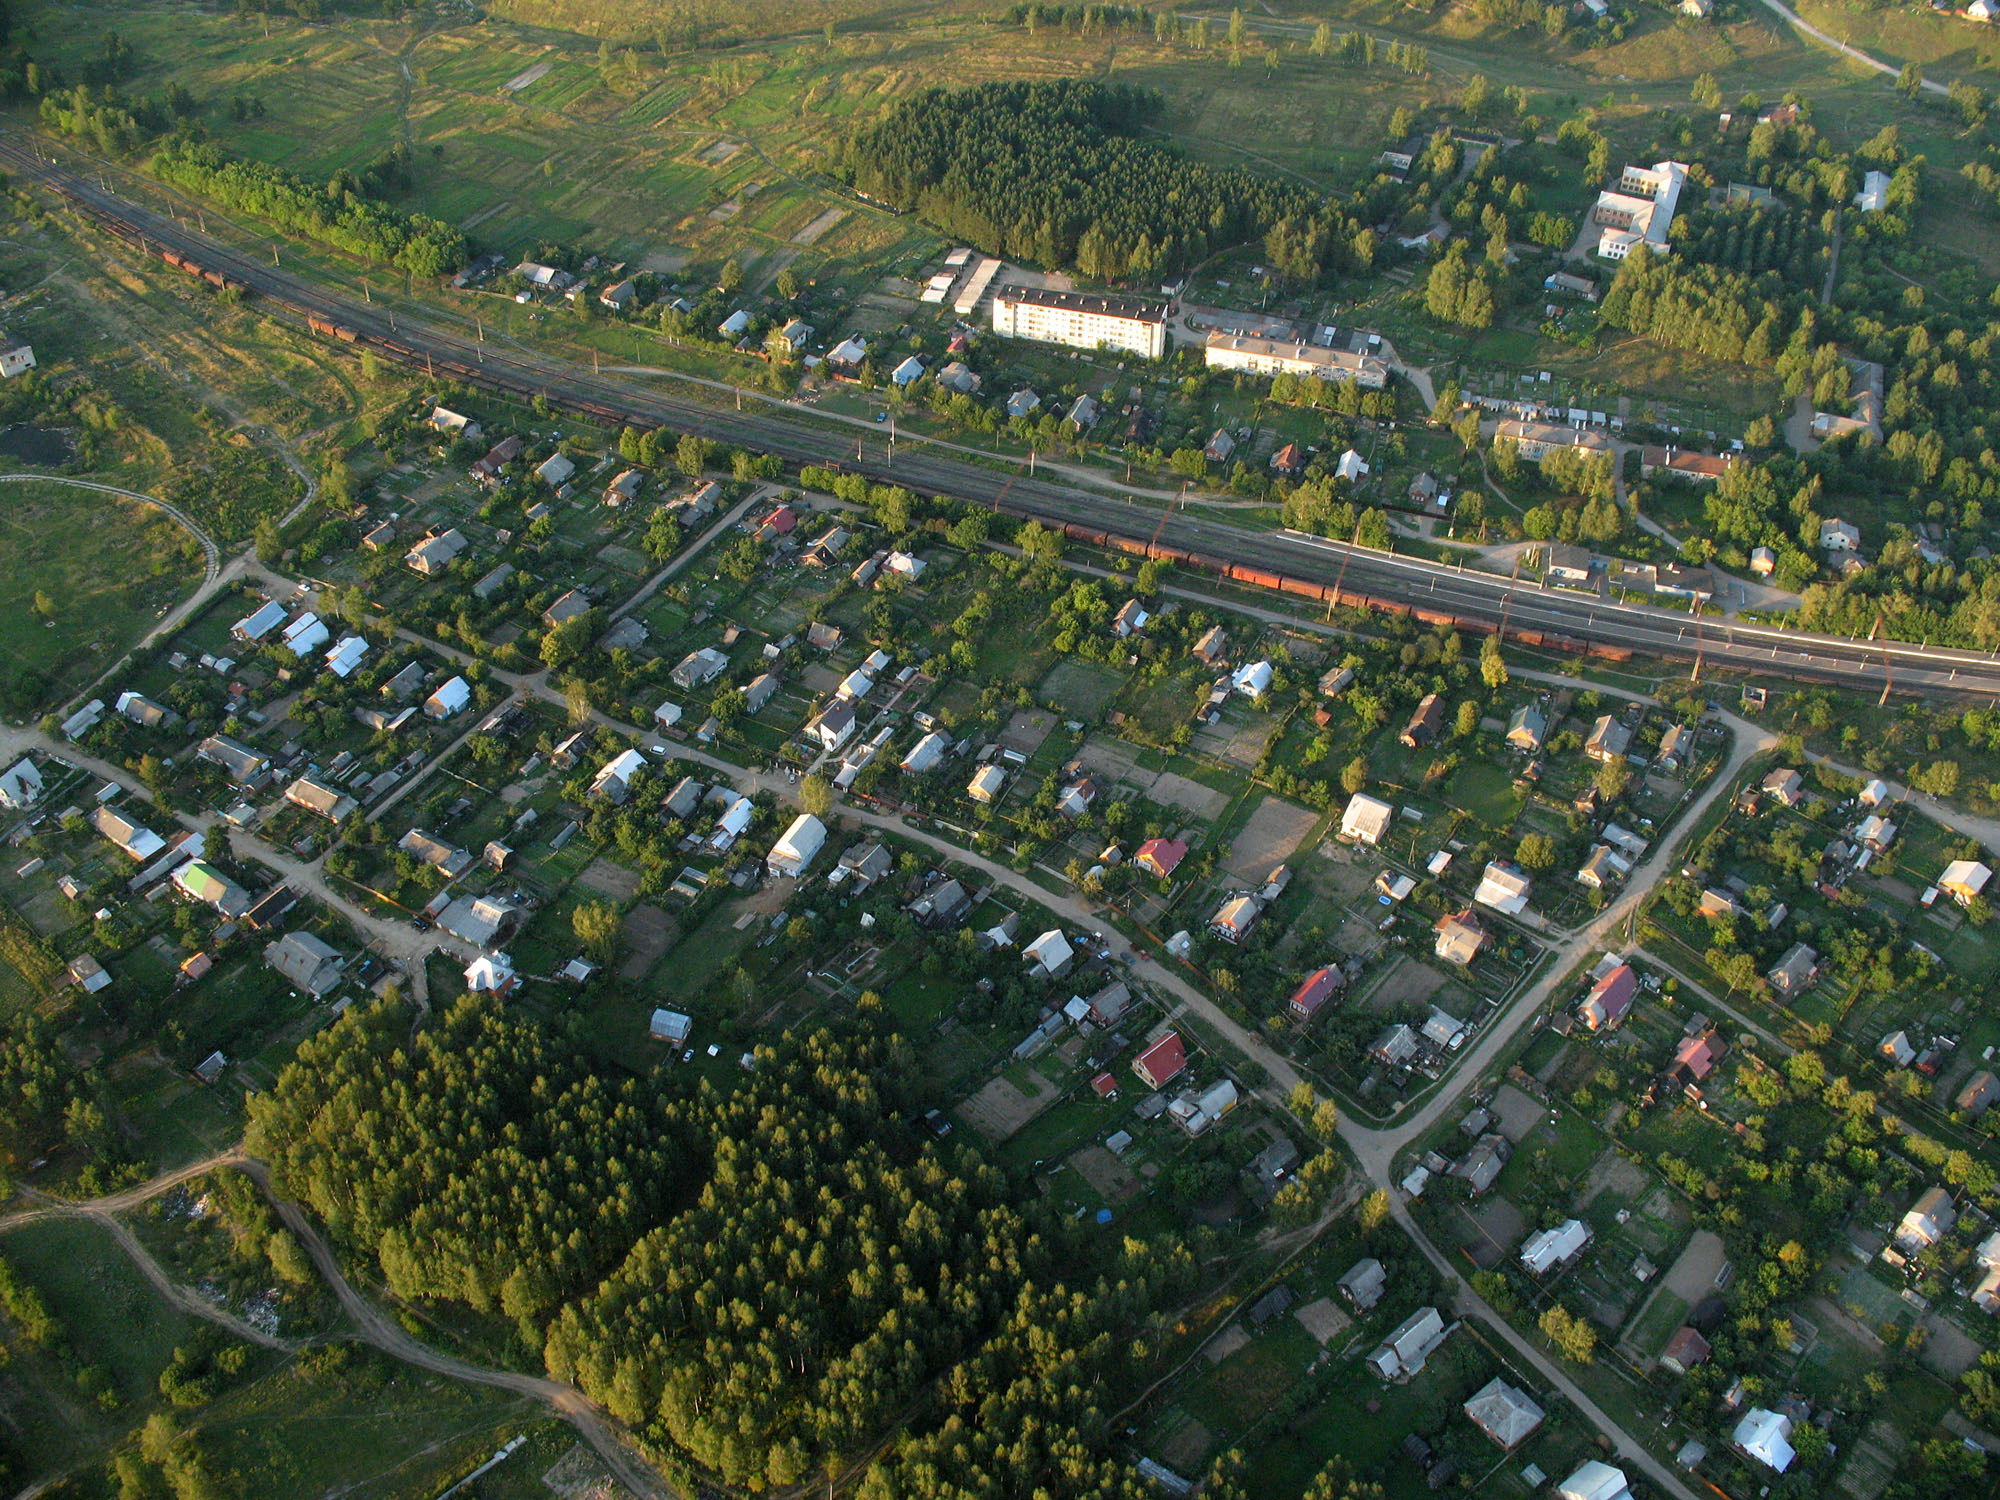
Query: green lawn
x=99, y=599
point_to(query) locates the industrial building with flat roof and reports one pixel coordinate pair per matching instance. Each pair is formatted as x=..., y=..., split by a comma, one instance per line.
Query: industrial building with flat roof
x=1081, y=320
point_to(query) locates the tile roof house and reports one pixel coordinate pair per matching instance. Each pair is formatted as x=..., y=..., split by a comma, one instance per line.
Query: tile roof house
x=312, y=965
x=132, y=839
x=1978, y=1095
x=1504, y=1414
x=435, y=852
x=1686, y=1349
x=1609, y=999
x=144, y=711
x=1785, y=784
x=1314, y=992
x=88, y=974
x=1527, y=728
x=1604, y=866
x=1481, y=1165
x=317, y=797
x=1161, y=857
x=1395, y=1046
x=1696, y=1056
x=1161, y=1063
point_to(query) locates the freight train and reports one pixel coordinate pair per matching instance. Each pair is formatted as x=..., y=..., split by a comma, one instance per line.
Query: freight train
x=498, y=378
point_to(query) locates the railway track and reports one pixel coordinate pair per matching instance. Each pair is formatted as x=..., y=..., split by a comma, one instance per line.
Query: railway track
x=1326, y=572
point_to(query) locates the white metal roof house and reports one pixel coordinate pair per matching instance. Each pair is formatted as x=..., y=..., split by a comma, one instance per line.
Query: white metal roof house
x=798, y=847
x=1552, y=1249
x=1765, y=1436
x=670, y=1026
x=491, y=973
x=731, y=825
x=1929, y=1220
x=926, y=753
x=20, y=786
x=1404, y=1352
x=614, y=778
x=1595, y=1481
x=986, y=784
x=449, y=699
x=1050, y=953
x=1366, y=819
x=345, y=657
x=1504, y=888
x=1253, y=679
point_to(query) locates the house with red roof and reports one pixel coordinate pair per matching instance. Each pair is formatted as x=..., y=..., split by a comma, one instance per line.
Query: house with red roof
x=1161, y=1063
x=1605, y=1006
x=1161, y=856
x=1695, y=1058
x=1318, y=988
x=1104, y=1086
x=780, y=522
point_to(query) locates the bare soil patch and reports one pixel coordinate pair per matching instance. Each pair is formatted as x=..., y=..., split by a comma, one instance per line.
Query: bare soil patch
x=1274, y=832
x=1516, y=1112
x=1949, y=1351
x=609, y=879
x=1692, y=1276
x=648, y=933
x=1323, y=1320
x=1000, y=1109
x=1105, y=1172
x=812, y=232
x=1408, y=984
x=1613, y=1172
x=1026, y=730
x=1225, y=1344
x=532, y=76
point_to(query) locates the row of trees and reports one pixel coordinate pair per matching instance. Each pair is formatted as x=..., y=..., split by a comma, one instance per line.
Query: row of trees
x=337, y=215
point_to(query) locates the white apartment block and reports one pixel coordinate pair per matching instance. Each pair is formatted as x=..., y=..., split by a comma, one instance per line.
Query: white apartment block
x=1081, y=320
x=1258, y=356
x=1640, y=209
